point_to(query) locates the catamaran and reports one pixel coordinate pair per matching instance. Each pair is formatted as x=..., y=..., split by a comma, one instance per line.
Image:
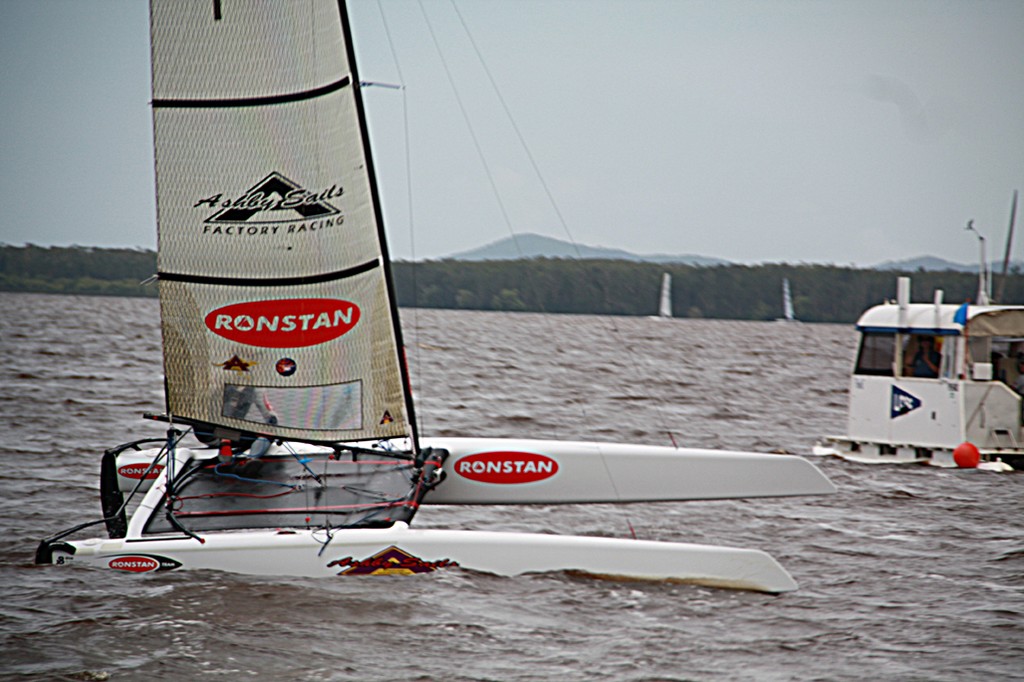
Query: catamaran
x=283, y=354
x=936, y=383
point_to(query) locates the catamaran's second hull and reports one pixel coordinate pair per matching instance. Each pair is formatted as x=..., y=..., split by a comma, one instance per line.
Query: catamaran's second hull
x=400, y=550
x=528, y=471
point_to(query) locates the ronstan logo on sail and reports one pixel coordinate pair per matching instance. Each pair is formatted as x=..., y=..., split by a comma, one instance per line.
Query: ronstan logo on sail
x=287, y=323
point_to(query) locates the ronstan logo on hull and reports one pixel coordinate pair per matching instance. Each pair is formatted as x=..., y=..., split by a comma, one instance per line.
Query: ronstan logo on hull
x=142, y=563
x=506, y=468
x=137, y=471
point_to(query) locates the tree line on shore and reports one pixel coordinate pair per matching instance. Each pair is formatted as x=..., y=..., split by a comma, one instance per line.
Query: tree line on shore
x=821, y=293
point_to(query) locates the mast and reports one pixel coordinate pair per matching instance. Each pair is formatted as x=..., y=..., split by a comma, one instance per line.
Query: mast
x=1009, y=244
x=357, y=92
x=984, y=282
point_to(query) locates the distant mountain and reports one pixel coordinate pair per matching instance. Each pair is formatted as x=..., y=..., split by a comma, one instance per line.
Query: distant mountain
x=538, y=246
x=933, y=263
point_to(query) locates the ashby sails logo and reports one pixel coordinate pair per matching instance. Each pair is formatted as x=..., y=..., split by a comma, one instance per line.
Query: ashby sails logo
x=287, y=323
x=270, y=205
x=506, y=468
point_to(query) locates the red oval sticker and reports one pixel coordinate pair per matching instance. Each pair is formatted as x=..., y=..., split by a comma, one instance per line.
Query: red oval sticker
x=287, y=323
x=506, y=468
x=137, y=471
x=135, y=564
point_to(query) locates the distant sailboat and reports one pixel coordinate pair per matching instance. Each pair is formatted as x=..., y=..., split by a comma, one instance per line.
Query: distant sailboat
x=787, y=303
x=665, y=306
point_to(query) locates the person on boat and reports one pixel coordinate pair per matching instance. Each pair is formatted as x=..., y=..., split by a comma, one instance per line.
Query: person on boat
x=238, y=400
x=925, y=362
x=1018, y=385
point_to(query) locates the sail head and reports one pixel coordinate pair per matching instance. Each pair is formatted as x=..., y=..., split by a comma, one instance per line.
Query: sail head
x=276, y=306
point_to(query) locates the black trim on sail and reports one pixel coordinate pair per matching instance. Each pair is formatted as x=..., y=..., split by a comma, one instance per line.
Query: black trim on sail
x=273, y=282
x=253, y=101
x=379, y=214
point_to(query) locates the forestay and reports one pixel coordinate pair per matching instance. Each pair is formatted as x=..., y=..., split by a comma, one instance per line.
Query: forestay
x=276, y=305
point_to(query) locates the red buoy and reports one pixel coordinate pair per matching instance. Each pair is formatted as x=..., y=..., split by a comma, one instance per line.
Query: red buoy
x=966, y=456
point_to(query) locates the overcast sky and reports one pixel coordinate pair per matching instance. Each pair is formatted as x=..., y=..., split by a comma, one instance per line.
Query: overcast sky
x=833, y=131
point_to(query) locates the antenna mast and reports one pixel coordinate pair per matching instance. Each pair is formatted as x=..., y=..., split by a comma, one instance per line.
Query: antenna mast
x=1009, y=243
x=983, y=296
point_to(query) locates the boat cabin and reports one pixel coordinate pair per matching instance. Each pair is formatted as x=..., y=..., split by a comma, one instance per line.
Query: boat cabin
x=928, y=377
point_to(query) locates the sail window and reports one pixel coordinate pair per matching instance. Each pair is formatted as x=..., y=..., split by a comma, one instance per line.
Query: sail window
x=876, y=353
x=334, y=407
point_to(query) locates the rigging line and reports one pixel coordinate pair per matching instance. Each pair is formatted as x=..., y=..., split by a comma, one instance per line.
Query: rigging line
x=472, y=131
x=519, y=134
x=409, y=204
x=164, y=452
x=547, y=190
x=562, y=222
x=245, y=479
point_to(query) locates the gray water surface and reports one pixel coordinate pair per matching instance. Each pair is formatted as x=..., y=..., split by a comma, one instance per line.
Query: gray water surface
x=908, y=573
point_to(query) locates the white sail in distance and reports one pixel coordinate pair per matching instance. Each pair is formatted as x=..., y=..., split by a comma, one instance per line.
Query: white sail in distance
x=665, y=304
x=787, y=301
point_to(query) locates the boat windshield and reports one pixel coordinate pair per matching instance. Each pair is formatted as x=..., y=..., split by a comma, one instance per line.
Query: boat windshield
x=876, y=354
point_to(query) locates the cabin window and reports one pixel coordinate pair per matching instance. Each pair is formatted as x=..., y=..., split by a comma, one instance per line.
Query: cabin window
x=922, y=356
x=1007, y=357
x=876, y=354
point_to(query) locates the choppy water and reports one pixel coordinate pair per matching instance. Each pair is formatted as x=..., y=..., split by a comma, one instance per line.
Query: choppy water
x=906, y=574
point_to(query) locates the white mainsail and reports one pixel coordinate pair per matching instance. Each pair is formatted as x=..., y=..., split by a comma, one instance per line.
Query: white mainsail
x=276, y=305
x=787, y=301
x=665, y=305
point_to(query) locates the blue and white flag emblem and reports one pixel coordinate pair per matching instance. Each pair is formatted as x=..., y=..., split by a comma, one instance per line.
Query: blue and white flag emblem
x=903, y=402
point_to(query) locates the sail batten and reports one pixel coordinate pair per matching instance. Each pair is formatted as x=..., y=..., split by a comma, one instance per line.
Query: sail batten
x=277, y=307
x=266, y=100
x=262, y=282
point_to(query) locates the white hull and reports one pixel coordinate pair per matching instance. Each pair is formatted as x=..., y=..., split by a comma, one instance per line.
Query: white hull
x=887, y=453
x=578, y=472
x=528, y=471
x=478, y=471
x=401, y=550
